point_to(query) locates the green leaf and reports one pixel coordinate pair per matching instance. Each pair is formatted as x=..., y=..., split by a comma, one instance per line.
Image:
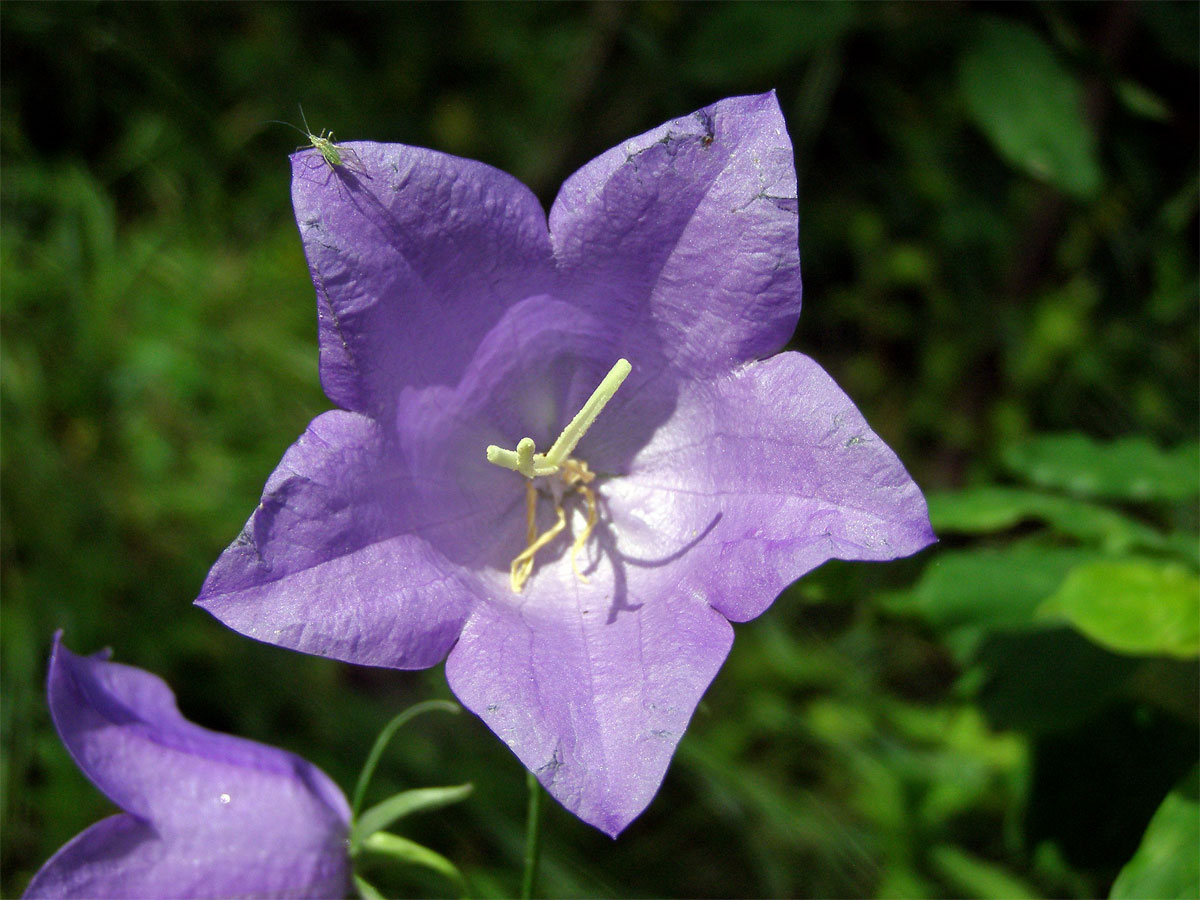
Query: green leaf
x=403, y=850
x=1129, y=468
x=970, y=876
x=1029, y=106
x=1131, y=606
x=1166, y=865
x=988, y=587
x=990, y=508
x=1141, y=101
x=399, y=805
x=740, y=42
x=366, y=890
x=1186, y=545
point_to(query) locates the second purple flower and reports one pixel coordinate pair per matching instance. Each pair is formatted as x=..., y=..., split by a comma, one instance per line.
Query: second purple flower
x=203, y=814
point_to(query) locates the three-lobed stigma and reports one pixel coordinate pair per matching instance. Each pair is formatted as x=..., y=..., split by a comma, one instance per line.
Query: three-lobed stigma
x=575, y=475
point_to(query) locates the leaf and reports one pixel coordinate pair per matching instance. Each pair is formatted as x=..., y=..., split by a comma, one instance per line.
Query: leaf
x=1029, y=106
x=988, y=587
x=1129, y=468
x=990, y=508
x=1142, y=101
x=739, y=42
x=366, y=890
x=381, y=742
x=1185, y=544
x=1166, y=865
x=1140, y=607
x=970, y=876
x=402, y=849
x=399, y=805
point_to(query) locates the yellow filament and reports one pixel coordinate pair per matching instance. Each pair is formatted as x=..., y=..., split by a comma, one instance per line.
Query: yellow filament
x=590, y=496
x=522, y=566
x=576, y=475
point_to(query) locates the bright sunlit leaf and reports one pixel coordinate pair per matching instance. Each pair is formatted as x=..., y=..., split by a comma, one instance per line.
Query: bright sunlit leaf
x=1132, y=606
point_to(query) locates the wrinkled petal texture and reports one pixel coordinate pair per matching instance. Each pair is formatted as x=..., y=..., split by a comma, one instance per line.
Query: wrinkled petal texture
x=592, y=685
x=453, y=315
x=206, y=814
x=688, y=237
x=329, y=563
x=414, y=255
x=757, y=478
x=779, y=471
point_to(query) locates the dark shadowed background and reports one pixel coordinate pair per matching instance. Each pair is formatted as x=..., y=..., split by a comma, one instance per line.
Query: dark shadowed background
x=998, y=231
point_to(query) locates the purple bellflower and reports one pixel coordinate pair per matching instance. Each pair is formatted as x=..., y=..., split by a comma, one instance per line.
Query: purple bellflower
x=205, y=814
x=584, y=593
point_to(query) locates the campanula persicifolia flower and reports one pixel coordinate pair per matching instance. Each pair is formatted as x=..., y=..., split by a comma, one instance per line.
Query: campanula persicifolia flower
x=204, y=814
x=565, y=455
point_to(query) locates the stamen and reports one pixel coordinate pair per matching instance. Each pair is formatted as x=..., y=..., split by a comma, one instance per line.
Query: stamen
x=522, y=566
x=574, y=473
x=590, y=496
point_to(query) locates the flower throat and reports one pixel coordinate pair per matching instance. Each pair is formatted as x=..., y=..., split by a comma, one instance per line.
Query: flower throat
x=574, y=474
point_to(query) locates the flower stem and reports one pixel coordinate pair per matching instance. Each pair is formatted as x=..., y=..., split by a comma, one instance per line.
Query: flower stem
x=364, y=778
x=533, y=835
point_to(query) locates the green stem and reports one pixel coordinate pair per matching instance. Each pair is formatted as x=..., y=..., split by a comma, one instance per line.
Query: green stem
x=533, y=835
x=364, y=778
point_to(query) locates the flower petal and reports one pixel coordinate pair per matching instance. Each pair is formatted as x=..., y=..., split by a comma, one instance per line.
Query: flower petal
x=770, y=471
x=122, y=858
x=686, y=238
x=211, y=815
x=115, y=858
x=590, y=694
x=329, y=562
x=414, y=255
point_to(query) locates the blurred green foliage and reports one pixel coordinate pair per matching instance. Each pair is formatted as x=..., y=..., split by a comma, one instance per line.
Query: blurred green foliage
x=1030, y=105
x=1165, y=864
x=999, y=231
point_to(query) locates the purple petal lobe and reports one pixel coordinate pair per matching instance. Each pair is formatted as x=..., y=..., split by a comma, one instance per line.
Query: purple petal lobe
x=770, y=472
x=591, y=686
x=414, y=255
x=329, y=562
x=115, y=858
x=208, y=814
x=686, y=238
